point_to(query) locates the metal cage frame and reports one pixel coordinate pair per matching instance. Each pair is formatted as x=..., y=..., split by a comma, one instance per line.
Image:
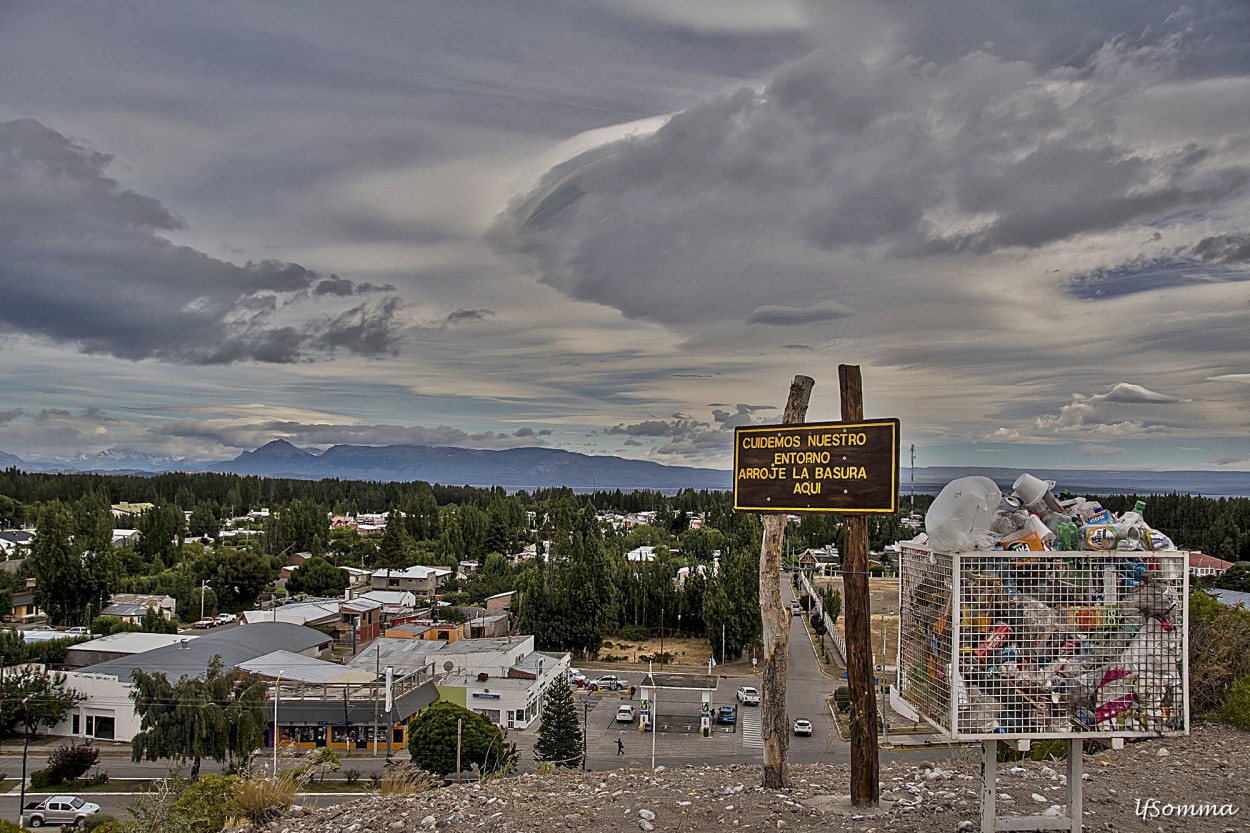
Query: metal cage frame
x=1045, y=644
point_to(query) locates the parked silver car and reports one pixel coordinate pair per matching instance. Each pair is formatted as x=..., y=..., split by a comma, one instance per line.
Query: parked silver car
x=58, y=810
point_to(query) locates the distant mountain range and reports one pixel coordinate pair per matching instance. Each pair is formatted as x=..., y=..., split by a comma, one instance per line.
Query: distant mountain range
x=534, y=468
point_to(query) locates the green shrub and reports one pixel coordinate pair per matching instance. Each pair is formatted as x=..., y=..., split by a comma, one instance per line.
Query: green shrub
x=111, y=826
x=90, y=823
x=1219, y=652
x=614, y=658
x=41, y=778
x=635, y=633
x=351, y=775
x=1236, y=709
x=7, y=826
x=842, y=697
x=205, y=804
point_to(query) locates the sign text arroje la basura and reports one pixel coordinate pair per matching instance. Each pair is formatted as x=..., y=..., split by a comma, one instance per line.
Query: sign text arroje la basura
x=817, y=467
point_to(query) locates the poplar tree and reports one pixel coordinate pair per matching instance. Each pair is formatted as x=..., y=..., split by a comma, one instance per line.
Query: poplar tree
x=62, y=585
x=560, y=740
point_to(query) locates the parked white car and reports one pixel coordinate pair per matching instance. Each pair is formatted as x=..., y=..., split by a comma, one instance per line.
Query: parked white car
x=226, y=618
x=58, y=810
x=576, y=677
x=748, y=696
x=625, y=714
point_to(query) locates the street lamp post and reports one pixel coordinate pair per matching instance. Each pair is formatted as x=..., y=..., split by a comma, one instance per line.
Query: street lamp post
x=203, y=587
x=661, y=637
x=277, y=694
x=585, y=717
x=21, y=802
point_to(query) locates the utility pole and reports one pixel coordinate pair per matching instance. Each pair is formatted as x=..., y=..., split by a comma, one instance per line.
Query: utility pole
x=865, y=761
x=585, y=723
x=661, y=637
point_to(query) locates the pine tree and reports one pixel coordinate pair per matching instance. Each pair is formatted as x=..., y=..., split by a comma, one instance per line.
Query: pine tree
x=560, y=739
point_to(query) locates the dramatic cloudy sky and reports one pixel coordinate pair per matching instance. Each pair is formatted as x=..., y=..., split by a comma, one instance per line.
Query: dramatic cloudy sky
x=622, y=226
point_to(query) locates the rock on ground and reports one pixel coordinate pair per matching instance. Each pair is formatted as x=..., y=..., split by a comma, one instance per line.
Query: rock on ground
x=941, y=794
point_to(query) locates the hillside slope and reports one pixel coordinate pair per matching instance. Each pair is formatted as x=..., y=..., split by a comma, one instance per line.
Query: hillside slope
x=1210, y=766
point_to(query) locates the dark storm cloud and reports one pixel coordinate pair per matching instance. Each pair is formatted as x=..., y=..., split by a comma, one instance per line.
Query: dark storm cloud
x=741, y=416
x=1226, y=248
x=462, y=315
x=365, y=330
x=342, y=287
x=85, y=265
x=9, y=416
x=842, y=168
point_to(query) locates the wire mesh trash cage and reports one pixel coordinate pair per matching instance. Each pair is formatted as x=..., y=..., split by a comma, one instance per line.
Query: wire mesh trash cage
x=1048, y=644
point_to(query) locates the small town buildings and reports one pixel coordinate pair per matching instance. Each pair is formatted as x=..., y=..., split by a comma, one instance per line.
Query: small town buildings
x=502, y=679
x=24, y=610
x=641, y=554
x=126, y=537
x=325, y=704
x=500, y=602
x=431, y=631
x=119, y=645
x=15, y=543
x=130, y=510
x=132, y=607
x=821, y=561
x=422, y=582
x=1201, y=564
x=107, y=711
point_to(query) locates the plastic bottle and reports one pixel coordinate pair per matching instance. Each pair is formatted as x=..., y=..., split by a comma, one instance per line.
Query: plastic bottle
x=1134, y=515
x=1111, y=536
x=1067, y=537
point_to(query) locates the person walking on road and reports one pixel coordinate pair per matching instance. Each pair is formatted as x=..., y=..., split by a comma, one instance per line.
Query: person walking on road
x=620, y=747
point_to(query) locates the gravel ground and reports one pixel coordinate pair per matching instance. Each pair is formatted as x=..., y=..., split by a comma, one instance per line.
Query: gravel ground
x=1212, y=766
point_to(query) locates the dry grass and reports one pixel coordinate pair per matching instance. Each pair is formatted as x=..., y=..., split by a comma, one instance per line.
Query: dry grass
x=883, y=593
x=262, y=799
x=684, y=650
x=405, y=780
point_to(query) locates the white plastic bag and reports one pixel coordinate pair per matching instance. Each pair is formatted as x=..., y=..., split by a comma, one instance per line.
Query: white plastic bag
x=962, y=514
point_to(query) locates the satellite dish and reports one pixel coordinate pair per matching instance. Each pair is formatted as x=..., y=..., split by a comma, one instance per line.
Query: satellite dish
x=448, y=665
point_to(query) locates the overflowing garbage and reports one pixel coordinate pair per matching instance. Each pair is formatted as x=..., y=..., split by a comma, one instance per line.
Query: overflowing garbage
x=972, y=514
x=1028, y=615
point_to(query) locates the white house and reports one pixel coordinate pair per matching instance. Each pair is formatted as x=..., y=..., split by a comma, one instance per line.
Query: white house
x=419, y=580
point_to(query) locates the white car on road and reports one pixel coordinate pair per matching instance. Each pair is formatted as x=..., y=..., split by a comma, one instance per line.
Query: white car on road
x=748, y=696
x=625, y=714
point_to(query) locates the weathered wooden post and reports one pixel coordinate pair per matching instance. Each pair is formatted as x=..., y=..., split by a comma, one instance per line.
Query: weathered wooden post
x=865, y=763
x=776, y=619
x=849, y=466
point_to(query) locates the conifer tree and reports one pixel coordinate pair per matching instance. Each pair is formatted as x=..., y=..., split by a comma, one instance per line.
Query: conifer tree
x=560, y=739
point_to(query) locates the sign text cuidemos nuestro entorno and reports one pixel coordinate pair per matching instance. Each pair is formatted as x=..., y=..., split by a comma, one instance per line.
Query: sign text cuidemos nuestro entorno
x=817, y=467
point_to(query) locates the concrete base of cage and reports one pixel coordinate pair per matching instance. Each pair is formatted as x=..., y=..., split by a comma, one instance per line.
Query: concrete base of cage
x=992, y=822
